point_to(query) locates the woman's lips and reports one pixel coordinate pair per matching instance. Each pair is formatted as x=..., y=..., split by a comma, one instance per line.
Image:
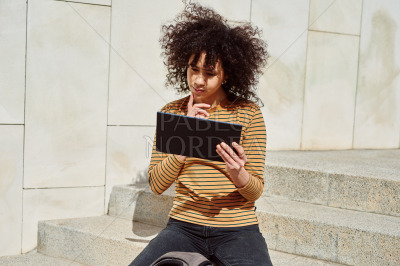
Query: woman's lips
x=198, y=91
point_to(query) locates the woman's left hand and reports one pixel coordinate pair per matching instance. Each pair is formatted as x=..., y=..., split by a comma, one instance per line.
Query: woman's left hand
x=234, y=163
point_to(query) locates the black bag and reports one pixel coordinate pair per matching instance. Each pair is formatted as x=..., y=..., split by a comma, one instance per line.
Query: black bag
x=176, y=258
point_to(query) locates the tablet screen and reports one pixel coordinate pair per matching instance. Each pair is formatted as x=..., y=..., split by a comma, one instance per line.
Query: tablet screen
x=194, y=137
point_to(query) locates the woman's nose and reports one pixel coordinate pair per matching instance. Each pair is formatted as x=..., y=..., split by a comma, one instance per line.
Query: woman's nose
x=200, y=80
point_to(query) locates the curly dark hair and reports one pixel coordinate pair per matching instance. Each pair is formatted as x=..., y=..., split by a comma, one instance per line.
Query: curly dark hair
x=199, y=29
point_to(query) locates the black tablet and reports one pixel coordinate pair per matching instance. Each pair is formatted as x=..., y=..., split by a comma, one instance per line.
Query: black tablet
x=194, y=137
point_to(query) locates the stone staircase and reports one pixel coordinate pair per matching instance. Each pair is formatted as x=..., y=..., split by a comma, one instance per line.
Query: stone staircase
x=318, y=208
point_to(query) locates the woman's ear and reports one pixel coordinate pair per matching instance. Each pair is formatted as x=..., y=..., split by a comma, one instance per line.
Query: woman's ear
x=225, y=80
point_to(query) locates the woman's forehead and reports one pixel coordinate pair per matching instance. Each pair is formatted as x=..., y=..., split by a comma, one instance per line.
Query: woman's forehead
x=202, y=61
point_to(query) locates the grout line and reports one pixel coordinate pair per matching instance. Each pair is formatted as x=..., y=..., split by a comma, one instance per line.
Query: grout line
x=78, y=2
x=337, y=33
x=361, y=17
x=105, y=210
x=399, y=141
x=304, y=84
x=45, y=188
x=358, y=74
x=24, y=130
x=131, y=125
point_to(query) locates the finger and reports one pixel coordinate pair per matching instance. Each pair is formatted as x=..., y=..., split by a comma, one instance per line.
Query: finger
x=198, y=109
x=226, y=157
x=190, y=103
x=223, y=157
x=232, y=153
x=190, y=106
x=229, y=150
x=202, y=112
x=240, y=151
x=232, y=164
x=201, y=105
x=198, y=113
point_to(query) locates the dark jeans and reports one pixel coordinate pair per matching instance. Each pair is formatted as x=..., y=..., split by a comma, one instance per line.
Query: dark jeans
x=222, y=245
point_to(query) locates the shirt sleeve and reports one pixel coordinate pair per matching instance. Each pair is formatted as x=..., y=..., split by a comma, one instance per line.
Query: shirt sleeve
x=163, y=169
x=254, y=144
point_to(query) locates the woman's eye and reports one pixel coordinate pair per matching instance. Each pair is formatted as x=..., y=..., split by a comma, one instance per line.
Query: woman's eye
x=195, y=69
x=211, y=74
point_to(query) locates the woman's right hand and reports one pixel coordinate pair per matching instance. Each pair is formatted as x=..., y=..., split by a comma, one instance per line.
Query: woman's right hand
x=195, y=110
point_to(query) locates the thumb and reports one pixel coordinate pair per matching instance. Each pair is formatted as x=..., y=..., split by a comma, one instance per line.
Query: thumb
x=190, y=103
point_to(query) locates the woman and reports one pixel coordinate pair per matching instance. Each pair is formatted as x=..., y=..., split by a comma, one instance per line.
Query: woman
x=213, y=211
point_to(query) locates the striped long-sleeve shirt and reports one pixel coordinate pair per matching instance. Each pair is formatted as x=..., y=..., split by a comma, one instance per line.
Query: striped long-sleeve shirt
x=204, y=192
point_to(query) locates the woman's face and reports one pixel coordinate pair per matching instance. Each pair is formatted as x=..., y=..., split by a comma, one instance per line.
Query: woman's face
x=205, y=81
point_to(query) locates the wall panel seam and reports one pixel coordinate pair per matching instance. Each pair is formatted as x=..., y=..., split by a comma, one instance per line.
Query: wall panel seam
x=337, y=33
x=131, y=125
x=47, y=188
x=78, y=2
x=305, y=77
x=358, y=74
x=105, y=210
x=24, y=129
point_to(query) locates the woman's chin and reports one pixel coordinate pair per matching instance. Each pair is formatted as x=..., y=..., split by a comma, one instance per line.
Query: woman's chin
x=198, y=98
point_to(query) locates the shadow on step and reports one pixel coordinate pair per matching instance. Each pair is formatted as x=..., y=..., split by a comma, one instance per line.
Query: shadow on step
x=151, y=210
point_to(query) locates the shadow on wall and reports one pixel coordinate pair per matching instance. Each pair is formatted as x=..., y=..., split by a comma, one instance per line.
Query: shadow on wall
x=141, y=177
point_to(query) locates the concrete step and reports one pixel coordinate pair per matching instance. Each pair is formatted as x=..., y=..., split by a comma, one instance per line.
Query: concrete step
x=103, y=240
x=339, y=235
x=139, y=203
x=35, y=259
x=365, y=180
x=110, y=240
x=333, y=234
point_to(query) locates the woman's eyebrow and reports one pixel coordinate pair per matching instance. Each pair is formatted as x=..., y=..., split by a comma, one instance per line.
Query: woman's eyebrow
x=208, y=69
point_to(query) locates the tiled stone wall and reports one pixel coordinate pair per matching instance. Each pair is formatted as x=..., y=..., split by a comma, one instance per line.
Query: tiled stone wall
x=81, y=81
x=329, y=93
x=12, y=94
x=331, y=74
x=377, y=117
x=284, y=24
